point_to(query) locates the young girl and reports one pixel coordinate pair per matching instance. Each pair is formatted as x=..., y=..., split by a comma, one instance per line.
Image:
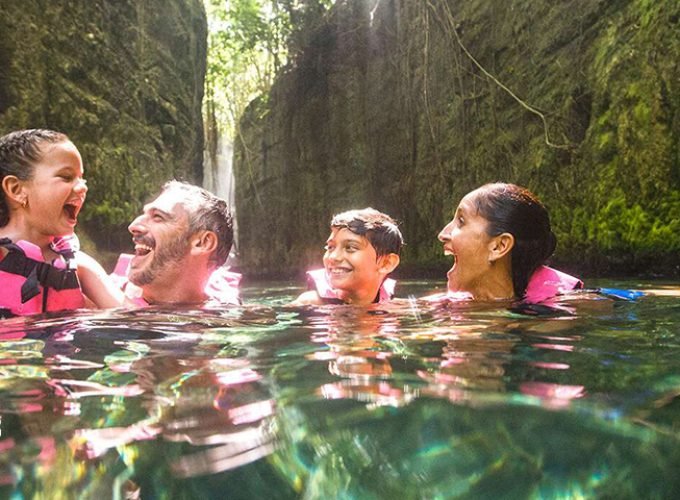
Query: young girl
x=42, y=192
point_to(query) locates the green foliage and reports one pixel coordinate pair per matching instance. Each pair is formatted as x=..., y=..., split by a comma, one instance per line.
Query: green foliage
x=248, y=45
x=124, y=80
x=406, y=106
x=240, y=66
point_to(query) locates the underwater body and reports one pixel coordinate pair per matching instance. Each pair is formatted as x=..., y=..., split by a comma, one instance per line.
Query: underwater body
x=400, y=400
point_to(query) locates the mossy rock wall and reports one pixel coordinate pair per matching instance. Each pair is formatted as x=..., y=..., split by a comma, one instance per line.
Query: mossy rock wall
x=124, y=79
x=407, y=107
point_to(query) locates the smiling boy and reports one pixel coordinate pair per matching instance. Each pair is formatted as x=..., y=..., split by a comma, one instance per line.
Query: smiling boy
x=361, y=251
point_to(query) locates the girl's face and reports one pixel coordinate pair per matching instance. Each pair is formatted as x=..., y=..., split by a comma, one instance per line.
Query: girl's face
x=56, y=192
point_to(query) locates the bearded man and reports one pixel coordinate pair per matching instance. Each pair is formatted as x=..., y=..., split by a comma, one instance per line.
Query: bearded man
x=182, y=240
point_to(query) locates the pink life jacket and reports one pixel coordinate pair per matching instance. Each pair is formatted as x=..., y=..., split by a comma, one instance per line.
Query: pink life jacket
x=30, y=285
x=545, y=283
x=319, y=280
x=222, y=285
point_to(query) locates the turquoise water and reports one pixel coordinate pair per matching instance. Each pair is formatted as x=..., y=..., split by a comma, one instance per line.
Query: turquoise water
x=407, y=400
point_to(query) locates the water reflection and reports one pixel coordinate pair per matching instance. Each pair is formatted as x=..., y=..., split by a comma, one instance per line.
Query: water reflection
x=400, y=400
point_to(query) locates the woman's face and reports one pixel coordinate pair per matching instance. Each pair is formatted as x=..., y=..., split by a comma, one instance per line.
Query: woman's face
x=465, y=238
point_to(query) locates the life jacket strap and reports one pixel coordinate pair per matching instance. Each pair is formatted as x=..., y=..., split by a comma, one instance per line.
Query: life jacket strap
x=36, y=273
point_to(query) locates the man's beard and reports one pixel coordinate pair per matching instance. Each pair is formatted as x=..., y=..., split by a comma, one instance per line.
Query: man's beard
x=169, y=255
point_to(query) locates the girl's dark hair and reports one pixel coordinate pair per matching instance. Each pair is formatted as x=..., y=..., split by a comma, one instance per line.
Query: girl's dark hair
x=19, y=152
x=516, y=210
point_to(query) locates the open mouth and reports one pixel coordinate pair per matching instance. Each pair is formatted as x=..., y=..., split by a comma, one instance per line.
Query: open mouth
x=71, y=210
x=338, y=271
x=142, y=249
x=143, y=246
x=449, y=252
x=337, y=275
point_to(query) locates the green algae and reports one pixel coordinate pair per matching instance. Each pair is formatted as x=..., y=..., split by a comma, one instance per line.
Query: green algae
x=578, y=101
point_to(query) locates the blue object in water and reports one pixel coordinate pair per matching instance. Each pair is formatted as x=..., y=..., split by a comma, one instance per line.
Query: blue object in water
x=620, y=293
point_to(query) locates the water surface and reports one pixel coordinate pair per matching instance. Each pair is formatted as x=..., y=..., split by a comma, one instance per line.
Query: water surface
x=405, y=400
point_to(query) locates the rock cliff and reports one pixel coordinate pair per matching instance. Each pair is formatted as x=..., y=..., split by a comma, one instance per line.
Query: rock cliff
x=124, y=80
x=407, y=105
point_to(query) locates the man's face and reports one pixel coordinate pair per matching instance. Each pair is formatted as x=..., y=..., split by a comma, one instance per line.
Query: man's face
x=161, y=237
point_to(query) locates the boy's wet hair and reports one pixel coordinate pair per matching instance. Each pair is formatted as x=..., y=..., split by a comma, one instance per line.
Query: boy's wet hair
x=207, y=212
x=379, y=228
x=20, y=151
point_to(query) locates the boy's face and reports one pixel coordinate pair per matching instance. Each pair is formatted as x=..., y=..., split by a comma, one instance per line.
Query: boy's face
x=352, y=264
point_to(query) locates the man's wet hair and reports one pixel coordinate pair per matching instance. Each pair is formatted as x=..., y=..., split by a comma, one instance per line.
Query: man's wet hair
x=207, y=212
x=20, y=151
x=379, y=228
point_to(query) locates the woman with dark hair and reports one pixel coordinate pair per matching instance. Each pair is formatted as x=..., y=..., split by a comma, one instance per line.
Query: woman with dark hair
x=500, y=238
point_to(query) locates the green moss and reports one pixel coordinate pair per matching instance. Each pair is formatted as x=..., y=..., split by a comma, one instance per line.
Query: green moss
x=124, y=81
x=396, y=115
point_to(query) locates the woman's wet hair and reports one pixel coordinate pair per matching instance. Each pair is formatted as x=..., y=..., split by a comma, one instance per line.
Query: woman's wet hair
x=20, y=151
x=207, y=212
x=509, y=208
x=379, y=228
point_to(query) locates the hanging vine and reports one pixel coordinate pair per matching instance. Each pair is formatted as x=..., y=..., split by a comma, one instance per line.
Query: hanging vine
x=451, y=30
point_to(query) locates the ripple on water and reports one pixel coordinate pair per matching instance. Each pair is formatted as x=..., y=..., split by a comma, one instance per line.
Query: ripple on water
x=404, y=400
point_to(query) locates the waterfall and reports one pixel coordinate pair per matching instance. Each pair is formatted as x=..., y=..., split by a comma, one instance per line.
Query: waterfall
x=218, y=178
